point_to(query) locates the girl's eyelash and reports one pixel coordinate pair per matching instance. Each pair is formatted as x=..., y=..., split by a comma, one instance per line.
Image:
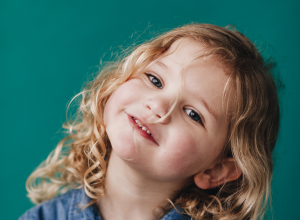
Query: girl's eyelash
x=194, y=115
x=155, y=81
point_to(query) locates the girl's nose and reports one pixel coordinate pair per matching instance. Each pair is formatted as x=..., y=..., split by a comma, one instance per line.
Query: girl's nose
x=159, y=108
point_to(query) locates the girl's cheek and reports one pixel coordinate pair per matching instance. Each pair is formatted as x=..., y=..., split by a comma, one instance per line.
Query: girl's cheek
x=179, y=167
x=109, y=107
x=118, y=97
x=127, y=91
x=184, y=157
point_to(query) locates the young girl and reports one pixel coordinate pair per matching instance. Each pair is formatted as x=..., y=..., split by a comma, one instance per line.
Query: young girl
x=182, y=128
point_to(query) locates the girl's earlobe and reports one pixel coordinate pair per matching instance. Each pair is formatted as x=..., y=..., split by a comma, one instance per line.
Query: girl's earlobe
x=223, y=172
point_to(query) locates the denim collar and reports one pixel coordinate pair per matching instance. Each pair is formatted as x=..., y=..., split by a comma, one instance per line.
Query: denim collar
x=77, y=213
x=91, y=212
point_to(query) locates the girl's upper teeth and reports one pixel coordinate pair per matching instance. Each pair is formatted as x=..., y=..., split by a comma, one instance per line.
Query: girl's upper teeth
x=140, y=125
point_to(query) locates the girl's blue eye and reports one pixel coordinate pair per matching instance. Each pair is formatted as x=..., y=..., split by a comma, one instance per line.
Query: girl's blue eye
x=193, y=115
x=155, y=81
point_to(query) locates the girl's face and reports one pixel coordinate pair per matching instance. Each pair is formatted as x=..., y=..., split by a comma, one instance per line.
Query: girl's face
x=192, y=137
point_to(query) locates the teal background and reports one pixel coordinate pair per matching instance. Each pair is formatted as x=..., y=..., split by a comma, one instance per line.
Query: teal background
x=49, y=48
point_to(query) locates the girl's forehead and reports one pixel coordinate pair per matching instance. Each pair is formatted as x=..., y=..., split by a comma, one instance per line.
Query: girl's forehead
x=187, y=55
x=184, y=50
x=191, y=56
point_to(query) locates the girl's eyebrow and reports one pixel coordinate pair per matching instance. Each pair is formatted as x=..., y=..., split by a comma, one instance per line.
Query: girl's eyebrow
x=208, y=108
x=161, y=64
x=204, y=103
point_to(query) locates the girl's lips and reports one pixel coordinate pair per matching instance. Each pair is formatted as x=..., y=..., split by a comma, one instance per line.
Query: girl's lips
x=139, y=130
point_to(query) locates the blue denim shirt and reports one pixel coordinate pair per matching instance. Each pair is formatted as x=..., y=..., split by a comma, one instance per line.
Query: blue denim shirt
x=64, y=207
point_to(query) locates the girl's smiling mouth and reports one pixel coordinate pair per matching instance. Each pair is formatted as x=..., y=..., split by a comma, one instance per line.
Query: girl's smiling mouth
x=142, y=129
x=141, y=126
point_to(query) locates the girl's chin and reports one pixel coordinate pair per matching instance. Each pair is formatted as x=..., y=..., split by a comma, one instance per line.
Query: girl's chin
x=126, y=147
x=125, y=151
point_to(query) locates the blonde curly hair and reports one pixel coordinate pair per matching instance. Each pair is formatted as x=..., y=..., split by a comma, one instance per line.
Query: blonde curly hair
x=80, y=159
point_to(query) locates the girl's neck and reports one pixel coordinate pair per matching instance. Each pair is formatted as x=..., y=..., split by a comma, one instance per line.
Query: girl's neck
x=131, y=195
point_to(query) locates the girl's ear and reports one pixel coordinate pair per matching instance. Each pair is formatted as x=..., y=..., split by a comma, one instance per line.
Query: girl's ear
x=223, y=172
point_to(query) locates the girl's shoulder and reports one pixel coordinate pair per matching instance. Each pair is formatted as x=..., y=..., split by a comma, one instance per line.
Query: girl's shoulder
x=64, y=207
